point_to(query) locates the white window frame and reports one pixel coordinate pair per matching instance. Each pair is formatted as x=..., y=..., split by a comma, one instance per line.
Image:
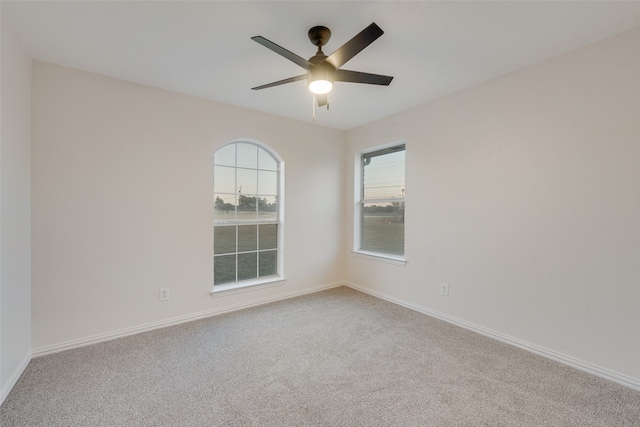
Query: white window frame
x=357, y=210
x=260, y=282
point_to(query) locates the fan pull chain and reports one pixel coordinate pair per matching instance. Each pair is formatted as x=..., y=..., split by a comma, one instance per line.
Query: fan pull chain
x=313, y=107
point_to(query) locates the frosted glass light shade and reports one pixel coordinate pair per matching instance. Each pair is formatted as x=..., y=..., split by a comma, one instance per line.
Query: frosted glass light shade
x=320, y=87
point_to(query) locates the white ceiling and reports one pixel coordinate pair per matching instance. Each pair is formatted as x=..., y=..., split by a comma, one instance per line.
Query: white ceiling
x=432, y=48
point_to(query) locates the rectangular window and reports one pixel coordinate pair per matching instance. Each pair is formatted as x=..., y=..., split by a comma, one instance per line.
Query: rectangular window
x=381, y=205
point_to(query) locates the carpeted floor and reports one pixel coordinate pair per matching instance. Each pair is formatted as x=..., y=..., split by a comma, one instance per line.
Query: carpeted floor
x=333, y=358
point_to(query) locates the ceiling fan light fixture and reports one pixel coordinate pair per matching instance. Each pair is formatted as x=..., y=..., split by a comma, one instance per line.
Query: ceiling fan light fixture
x=320, y=79
x=320, y=87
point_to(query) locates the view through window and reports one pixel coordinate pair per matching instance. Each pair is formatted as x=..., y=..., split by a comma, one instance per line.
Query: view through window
x=246, y=214
x=382, y=204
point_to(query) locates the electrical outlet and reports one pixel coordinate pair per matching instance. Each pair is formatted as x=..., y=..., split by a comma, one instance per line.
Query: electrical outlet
x=444, y=289
x=164, y=294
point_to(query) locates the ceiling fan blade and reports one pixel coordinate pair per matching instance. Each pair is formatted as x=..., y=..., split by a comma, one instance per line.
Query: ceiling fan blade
x=358, y=77
x=322, y=100
x=281, y=82
x=282, y=52
x=351, y=48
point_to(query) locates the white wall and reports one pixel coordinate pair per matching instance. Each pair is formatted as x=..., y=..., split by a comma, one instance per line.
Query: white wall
x=122, y=203
x=523, y=194
x=15, y=208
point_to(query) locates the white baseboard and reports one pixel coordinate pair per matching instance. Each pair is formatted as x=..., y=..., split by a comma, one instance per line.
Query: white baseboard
x=13, y=379
x=624, y=380
x=67, y=345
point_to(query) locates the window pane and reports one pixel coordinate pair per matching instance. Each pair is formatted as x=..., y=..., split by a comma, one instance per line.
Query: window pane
x=247, y=155
x=224, y=207
x=247, y=266
x=225, y=156
x=267, y=207
x=268, y=263
x=247, y=209
x=266, y=161
x=224, y=179
x=247, y=238
x=267, y=183
x=383, y=228
x=268, y=235
x=247, y=181
x=384, y=176
x=224, y=269
x=224, y=239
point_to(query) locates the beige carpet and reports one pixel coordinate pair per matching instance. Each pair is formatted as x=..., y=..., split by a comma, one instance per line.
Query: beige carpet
x=333, y=358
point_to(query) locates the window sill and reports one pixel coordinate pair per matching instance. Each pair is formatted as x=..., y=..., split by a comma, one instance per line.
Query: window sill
x=375, y=256
x=246, y=286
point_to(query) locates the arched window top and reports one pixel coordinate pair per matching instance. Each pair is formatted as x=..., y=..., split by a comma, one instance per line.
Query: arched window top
x=247, y=154
x=246, y=183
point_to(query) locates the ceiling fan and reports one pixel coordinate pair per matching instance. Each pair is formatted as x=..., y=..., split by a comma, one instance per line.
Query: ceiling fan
x=323, y=70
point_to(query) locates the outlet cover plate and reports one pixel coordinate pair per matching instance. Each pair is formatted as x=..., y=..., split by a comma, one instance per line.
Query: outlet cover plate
x=444, y=289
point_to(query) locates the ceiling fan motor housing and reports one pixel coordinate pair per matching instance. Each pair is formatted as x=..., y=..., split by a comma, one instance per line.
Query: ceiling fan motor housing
x=320, y=71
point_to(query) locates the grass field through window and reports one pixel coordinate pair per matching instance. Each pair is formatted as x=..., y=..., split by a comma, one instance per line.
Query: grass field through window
x=383, y=233
x=252, y=248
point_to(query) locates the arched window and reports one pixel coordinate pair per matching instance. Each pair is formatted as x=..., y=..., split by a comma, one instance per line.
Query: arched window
x=247, y=214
